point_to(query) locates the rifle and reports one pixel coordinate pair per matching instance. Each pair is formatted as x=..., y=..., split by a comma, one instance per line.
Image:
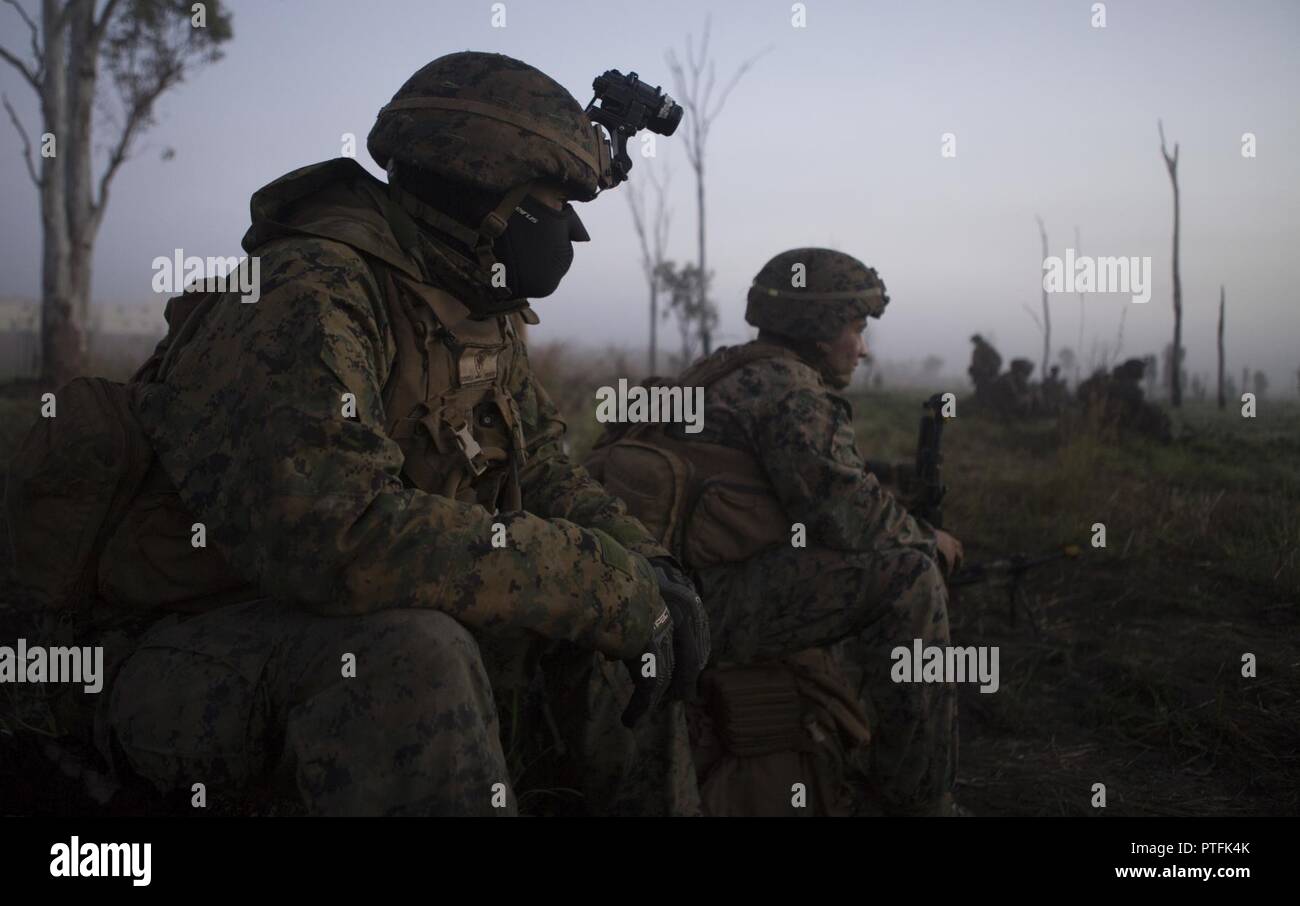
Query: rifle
x=929, y=462
x=929, y=506
x=925, y=477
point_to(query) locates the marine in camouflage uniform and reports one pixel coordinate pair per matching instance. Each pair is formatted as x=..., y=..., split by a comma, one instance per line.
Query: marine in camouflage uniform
x=985, y=363
x=1118, y=399
x=399, y=548
x=1053, y=395
x=867, y=579
x=1011, y=395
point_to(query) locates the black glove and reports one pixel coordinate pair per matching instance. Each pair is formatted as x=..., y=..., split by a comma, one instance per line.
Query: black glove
x=649, y=690
x=690, y=627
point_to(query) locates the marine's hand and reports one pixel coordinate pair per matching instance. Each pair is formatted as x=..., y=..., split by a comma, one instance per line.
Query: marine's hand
x=690, y=627
x=950, y=551
x=652, y=669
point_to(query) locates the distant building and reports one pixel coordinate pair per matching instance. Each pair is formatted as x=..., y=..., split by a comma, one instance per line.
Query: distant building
x=118, y=333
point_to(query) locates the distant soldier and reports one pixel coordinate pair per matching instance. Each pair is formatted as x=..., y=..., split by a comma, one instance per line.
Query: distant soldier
x=1053, y=395
x=1261, y=384
x=1011, y=395
x=985, y=363
x=1120, y=399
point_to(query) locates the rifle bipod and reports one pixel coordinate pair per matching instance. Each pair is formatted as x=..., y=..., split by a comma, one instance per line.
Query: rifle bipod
x=1014, y=568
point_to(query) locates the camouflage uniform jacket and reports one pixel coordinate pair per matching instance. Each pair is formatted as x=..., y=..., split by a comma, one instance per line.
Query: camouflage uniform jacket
x=315, y=503
x=781, y=411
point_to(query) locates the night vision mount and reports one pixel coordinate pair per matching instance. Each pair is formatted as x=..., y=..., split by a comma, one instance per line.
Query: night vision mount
x=628, y=105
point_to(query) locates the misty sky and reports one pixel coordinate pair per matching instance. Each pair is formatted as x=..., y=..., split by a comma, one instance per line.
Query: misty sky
x=832, y=139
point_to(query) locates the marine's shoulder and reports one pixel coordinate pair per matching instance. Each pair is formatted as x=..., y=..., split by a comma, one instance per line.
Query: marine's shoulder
x=316, y=265
x=760, y=370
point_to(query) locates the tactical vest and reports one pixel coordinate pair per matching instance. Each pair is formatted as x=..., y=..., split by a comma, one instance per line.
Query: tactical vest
x=94, y=519
x=446, y=401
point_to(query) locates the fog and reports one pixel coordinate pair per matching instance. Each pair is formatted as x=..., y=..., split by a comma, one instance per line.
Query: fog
x=834, y=138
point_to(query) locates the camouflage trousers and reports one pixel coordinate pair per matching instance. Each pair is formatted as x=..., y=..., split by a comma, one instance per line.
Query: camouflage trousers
x=862, y=605
x=390, y=713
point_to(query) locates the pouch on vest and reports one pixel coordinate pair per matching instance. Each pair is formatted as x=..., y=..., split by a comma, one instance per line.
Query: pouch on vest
x=69, y=483
x=732, y=520
x=651, y=480
x=460, y=432
x=150, y=560
x=778, y=738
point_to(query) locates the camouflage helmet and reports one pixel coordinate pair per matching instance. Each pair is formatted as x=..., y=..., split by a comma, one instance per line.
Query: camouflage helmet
x=494, y=123
x=811, y=293
x=1023, y=366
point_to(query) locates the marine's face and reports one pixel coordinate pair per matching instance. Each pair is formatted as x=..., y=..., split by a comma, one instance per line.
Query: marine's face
x=550, y=194
x=847, y=349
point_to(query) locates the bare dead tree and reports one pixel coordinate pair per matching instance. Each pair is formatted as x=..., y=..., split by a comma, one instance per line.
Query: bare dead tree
x=1223, y=401
x=1171, y=164
x=147, y=47
x=1119, y=333
x=695, y=82
x=1079, y=345
x=652, y=233
x=1047, y=317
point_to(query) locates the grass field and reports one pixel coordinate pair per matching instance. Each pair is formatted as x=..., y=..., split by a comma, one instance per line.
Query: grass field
x=1133, y=678
x=1136, y=678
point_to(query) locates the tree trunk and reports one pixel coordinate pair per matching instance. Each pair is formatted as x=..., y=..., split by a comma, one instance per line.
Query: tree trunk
x=705, y=332
x=1078, y=346
x=83, y=65
x=1047, y=318
x=62, y=342
x=1223, y=402
x=1176, y=386
x=654, y=327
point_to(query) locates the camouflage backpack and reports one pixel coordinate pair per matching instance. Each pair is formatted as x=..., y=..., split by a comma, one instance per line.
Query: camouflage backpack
x=707, y=503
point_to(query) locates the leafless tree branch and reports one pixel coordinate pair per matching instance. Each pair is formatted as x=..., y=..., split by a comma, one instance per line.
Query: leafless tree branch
x=27, y=142
x=31, y=27
x=28, y=74
x=1170, y=162
x=105, y=16
x=740, y=71
x=1038, y=322
x=136, y=118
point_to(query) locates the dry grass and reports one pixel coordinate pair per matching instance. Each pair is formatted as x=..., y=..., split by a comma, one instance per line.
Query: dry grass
x=1134, y=676
x=1135, y=680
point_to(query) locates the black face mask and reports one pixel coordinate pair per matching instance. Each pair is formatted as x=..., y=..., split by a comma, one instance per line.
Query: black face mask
x=537, y=247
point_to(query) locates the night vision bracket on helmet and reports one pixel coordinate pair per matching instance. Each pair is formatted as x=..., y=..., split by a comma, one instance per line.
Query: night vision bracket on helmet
x=628, y=105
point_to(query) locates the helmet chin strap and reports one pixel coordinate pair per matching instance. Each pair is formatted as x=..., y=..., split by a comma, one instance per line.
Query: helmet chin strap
x=479, y=241
x=494, y=224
